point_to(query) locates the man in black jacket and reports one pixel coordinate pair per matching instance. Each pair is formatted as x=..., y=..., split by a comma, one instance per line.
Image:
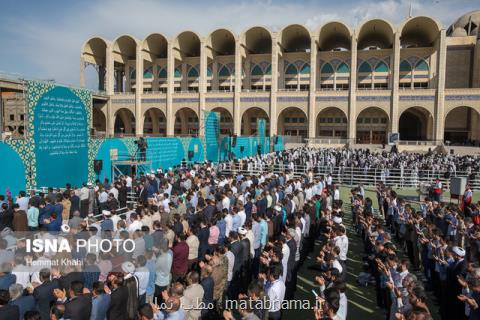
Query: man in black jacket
x=79, y=305
x=118, y=300
x=43, y=294
x=7, y=311
x=237, y=249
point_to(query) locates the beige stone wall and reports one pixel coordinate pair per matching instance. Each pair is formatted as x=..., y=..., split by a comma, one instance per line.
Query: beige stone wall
x=459, y=67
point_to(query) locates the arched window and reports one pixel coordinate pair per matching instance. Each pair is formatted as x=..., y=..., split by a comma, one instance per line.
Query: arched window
x=148, y=73
x=327, y=68
x=291, y=69
x=343, y=68
x=133, y=73
x=209, y=71
x=193, y=73
x=381, y=67
x=162, y=74
x=405, y=66
x=257, y=71
x=268, y=70
x=365, y=67
x=421, y=66
x=305, y=69
x=224, y=72
x=178, y=73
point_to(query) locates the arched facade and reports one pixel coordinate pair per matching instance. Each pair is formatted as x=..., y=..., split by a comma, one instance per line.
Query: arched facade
x=99, y=120
x=186, y=122
x=256, y=55
x=124, y=53
x=93, y=64
x=373, y=63
x=221, y=48
x=332, y=123
x=416, y=124
x=292, y=121
x=249, y=121
x=154, y=123
x=372, y=126
x=462, y=126
x=124, y=122
x=226, y=120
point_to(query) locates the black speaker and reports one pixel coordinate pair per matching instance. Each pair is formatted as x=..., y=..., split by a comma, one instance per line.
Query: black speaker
x=234, y=141
x=242, y=148
x=92, y=131
x=97, y=165
x=275, y=140
x=452, y=151
x=259, y=150
x=190, y=155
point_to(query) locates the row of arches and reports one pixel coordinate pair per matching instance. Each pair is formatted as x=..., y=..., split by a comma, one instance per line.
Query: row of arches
x=372, y=124
x=255, y=41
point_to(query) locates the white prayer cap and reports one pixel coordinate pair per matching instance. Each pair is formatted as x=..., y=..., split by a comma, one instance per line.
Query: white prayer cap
x=337, y=220
x=242, y=231
x=128, y=267
x=65, y=228
x=277, y=208
x=106, y=213
x=459, y=251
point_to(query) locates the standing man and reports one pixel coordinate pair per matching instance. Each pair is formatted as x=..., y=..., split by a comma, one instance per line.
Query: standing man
x=84, y=203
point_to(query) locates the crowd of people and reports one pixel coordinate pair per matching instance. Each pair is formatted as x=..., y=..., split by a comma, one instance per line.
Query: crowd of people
x=440, y=242
x=211, y=245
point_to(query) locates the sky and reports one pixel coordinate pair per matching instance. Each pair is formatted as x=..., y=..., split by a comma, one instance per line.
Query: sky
x=41, y=39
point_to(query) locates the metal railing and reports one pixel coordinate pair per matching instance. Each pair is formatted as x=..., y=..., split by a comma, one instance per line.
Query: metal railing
x=419, y=143
x=351, y=176
x=326, y=140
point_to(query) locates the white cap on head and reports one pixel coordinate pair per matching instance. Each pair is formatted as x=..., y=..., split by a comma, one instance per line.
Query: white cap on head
x=128, y=267
x=242, y=231
x=106, y=213
x=459, y=251
x=65, y=228
x=337, y=220
x=277, y=208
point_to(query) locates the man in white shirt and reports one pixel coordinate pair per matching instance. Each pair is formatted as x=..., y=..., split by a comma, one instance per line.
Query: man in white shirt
x=228, y=223
x=243, y=216
x=22, y=201
x=128, y=183
x=142, y=274
x=276, y=293
x=135, y=223
x=341, y=241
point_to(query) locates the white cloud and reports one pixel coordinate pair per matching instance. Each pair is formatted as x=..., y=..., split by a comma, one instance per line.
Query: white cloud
x=50, y=48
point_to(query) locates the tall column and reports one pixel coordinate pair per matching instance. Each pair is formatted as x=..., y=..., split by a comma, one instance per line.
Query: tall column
x=237, y=119
x=246, y=82
x=170, y=82
x=395, y=84
x=441, y=69
x=109, y=88
x=82, y=72
x=312, y=132
x=202, y=88
x=476, y=63
x=138, y=91
x=352, y=119
x=214, y=84
x=274, y=89
x=155, y=84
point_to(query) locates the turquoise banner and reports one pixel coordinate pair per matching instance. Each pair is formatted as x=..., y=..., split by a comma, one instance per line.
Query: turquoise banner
x=261, y=128
x=60, y=134
x=12, y=175
x=212, y=133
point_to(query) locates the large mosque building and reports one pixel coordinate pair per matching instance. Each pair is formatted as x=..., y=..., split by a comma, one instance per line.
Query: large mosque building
x=336, y=83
